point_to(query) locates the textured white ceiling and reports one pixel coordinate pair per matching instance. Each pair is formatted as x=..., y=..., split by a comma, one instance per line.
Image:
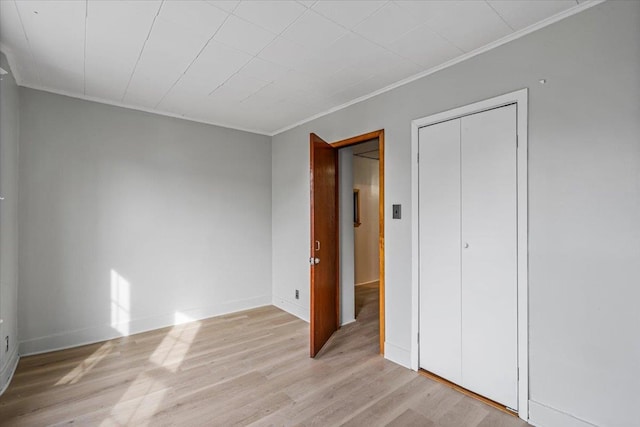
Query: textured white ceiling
x=255, y=65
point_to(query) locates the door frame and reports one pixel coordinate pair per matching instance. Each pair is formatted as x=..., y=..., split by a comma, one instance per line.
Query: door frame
x=379, y=134
x=520, y=98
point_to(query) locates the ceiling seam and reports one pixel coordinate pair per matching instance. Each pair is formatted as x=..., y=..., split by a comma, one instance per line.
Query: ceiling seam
x=193, y=61
x=24, y=31
x=312, y=4
x=229, y=14
x=259, y=52
x=84, y=62
x=499, y=15
x=357, y=23
x=351, y=30
x=436, y=33
x=144, y=45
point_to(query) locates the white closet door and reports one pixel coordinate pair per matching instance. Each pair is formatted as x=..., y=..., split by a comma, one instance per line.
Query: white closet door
x=489, y=255
x=439, y=207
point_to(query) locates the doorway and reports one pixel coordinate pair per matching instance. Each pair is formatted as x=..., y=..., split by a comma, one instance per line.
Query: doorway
x=358, y=176
x=365, y=251
x=322, y=314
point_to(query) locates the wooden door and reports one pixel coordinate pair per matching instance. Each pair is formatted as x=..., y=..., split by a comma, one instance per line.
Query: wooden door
x=324, y=242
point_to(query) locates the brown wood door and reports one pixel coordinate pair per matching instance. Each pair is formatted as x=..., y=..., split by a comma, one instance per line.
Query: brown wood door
x=324, y=242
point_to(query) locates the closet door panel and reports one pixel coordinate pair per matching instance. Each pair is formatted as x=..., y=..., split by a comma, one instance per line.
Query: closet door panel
x=489, y=254
x=439, y=210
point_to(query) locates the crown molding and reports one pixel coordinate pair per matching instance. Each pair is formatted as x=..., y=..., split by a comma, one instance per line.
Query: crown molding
x=143, y=109
x=511, y=37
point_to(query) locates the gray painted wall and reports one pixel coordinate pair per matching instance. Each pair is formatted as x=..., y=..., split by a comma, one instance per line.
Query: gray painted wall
x=584, y=204
x=130, y=221
x=8, y=222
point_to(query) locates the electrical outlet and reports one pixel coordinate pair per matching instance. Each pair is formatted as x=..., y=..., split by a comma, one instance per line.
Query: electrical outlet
x=297, y=294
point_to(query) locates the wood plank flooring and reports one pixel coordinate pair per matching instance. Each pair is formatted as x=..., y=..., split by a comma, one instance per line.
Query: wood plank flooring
x=247, y=368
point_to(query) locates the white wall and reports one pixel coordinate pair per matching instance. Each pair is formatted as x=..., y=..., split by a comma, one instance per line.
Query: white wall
x=347, y=250
x=291, y=217
x=584, y=204
x=367, y=245
x=9, y=124
x=132, y=218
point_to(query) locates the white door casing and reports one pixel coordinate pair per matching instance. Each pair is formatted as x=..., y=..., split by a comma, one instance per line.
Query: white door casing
x=518, y=166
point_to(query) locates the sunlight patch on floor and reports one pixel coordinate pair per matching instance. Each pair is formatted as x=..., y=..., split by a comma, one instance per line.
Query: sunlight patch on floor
x=175, y=345
x=86, y=365
x=139, y=403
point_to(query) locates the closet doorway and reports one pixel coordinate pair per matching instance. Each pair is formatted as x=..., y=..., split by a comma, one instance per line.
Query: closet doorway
x=470, y=241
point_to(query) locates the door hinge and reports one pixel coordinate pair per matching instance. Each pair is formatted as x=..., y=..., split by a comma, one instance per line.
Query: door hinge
x=418, y=158
x=517, y=142
x=418, y=337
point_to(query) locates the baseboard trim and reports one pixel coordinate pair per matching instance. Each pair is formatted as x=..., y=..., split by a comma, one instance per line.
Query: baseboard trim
x=398, y=355
x=7, y=372
x=291, y=308
x=70, y=339
x=545, y=416
x=346, y=322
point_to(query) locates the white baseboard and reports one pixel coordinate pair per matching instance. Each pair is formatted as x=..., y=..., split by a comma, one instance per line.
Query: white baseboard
x=9, y=369
x=69, y=339
x=544, y=416
x=291, y=308
x=397, y=354
x=346, y=322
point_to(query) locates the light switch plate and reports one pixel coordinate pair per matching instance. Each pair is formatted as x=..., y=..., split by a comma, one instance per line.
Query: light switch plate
x=397, y=211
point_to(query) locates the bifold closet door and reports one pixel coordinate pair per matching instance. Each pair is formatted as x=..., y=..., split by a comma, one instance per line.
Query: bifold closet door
x=439, y=208
x=489, y=255
x=468, y=252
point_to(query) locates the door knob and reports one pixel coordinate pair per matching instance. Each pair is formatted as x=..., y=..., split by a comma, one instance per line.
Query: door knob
x=466, y=245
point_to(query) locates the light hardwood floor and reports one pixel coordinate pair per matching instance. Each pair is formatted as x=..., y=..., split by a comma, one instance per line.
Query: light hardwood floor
x=248, y=368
